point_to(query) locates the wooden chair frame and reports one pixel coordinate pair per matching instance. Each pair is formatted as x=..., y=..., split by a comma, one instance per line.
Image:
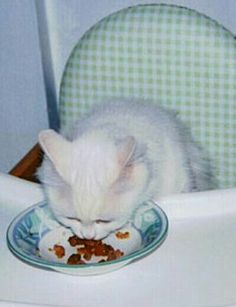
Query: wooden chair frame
x=26, y=168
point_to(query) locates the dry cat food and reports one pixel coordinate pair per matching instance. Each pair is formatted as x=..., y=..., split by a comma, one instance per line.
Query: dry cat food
x=88, y=248
x=58, y=250
x=75, y=259
x=122, y=235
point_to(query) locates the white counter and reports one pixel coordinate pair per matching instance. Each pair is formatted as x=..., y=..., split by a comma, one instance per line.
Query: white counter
x=195, y=266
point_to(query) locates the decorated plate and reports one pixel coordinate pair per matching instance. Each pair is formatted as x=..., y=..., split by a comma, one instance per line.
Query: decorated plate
x=37, y=238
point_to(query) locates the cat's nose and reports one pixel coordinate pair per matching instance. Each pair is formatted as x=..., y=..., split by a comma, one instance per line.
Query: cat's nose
x=88, y=233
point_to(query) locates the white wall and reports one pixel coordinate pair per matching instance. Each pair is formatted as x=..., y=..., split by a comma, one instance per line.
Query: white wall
x=68, y=20
x=22, y=97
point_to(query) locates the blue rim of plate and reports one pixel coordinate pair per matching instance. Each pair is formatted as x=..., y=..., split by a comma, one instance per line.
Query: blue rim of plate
x=50, y=264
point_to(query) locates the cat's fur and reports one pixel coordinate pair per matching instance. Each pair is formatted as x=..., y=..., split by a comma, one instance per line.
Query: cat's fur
x=113, y=159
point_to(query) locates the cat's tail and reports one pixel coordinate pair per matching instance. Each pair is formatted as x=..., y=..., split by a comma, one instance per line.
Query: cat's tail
x=203, y=171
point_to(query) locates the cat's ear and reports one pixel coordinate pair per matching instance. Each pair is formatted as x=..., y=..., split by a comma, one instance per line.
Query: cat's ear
x=126, y=150
x=58, y=150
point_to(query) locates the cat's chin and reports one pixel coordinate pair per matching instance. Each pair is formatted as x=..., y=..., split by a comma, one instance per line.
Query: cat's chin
x=99, y=235
x=88, y=237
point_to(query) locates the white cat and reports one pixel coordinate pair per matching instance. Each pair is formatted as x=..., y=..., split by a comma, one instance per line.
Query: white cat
x=115, y=158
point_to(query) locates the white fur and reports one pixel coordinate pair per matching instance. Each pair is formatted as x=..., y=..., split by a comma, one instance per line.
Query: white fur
x=116, y=157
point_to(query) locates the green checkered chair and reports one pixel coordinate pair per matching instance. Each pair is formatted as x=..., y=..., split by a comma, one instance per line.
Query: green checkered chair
x=169, y=55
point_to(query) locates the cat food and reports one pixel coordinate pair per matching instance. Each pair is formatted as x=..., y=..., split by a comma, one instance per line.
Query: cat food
x=59, y=251
x=88, y=248
x=74, y=240
x=75, y=259
x=122, y=235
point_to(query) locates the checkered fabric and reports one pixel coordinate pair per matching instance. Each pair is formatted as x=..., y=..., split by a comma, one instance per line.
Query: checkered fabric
x=171, y=55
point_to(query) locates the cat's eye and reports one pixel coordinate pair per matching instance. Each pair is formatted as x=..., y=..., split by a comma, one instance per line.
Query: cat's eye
x=73, y=218
x=100, y=221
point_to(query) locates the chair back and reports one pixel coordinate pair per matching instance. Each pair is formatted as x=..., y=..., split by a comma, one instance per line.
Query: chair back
x=169, y=55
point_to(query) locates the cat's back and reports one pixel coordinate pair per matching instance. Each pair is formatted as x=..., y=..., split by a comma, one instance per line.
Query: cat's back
x=162, y=141
x=135, y=117
x=130, y=110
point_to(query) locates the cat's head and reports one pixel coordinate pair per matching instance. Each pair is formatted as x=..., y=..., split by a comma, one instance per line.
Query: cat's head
x=93, y=184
